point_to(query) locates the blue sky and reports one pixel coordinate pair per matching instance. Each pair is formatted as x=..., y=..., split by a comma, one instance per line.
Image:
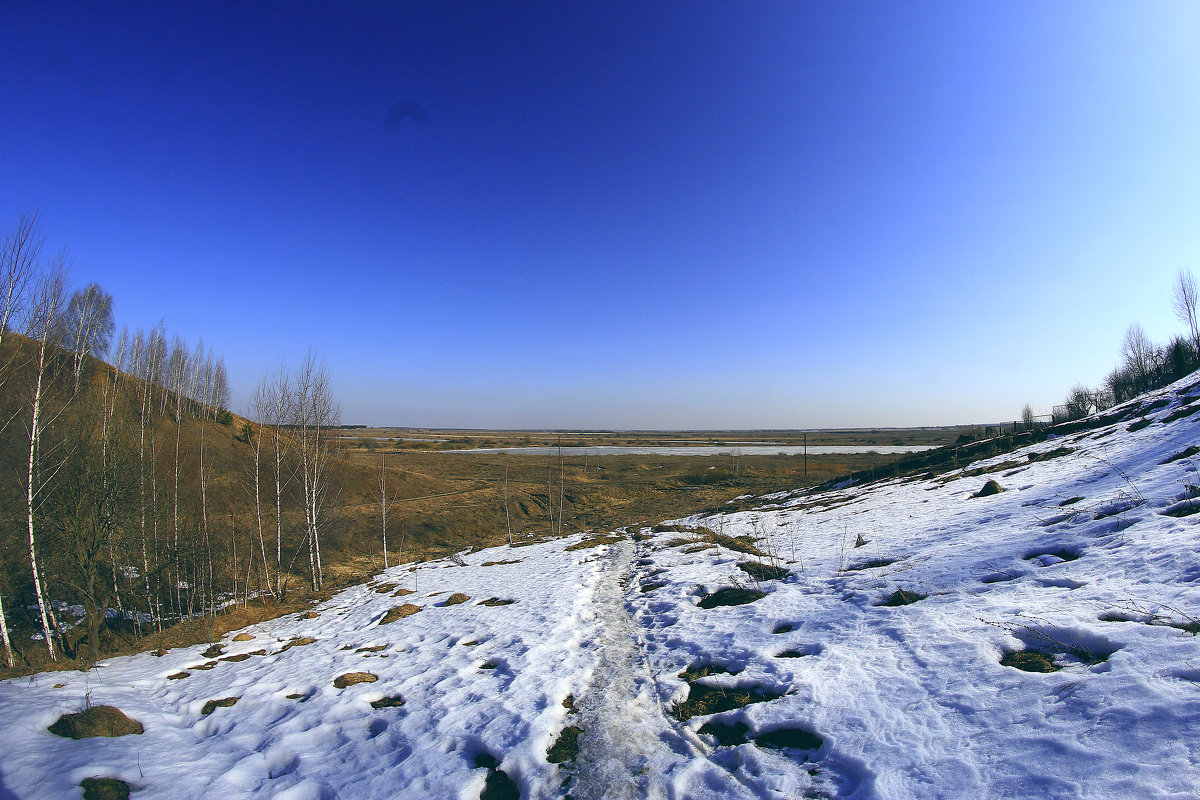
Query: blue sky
x=631, y=215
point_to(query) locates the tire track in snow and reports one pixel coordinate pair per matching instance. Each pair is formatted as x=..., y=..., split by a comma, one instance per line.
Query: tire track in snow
x=629, y=748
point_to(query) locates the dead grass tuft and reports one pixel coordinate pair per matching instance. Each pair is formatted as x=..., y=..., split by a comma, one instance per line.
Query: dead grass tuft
x=496, y=601
x=243, y=637
x=458, y=598
x=392, y=701
x=399, y=612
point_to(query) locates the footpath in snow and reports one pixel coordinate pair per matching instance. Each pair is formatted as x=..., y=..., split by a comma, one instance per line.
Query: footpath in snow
x=909, y=638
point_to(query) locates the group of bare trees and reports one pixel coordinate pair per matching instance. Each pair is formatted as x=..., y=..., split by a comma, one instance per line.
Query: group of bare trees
x=131, y=495
x=1144, y=365
x=295, y=411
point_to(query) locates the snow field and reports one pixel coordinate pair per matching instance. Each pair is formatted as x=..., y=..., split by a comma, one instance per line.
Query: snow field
x=878, y=647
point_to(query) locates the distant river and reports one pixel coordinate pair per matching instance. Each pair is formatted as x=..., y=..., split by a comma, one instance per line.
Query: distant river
x=698, y=450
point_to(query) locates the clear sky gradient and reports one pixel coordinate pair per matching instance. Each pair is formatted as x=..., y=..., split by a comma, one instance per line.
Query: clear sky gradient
x=623, y=215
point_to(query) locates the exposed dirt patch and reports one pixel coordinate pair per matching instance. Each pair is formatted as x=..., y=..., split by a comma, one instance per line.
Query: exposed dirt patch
x=596, y=541
x=178, y=676
x=650, y=587
x=1182, y=454
x=351, y=678
x=392, y=701
x=1184, y=508
x=786, y=627
x=990, y=488
x=726, y=734
x=458, y=598
x=1030, y=661
x=402, y=593
x=207, y=666
x=299, y=641
x=498, y=785
x=496, y=601
x=731, y=596
x=374, y=649
x=498, y=563
x=385, y=588
x=1059, y=453
x=566, y=746
x=764, y=572
x=703, y=700
x=901, y=597
x=1180, y=413
x=237, y=658
x=790, y=739
x=1070, y=501
x=399, y=612
x=243, y=637
x=95, y=721
x=698, y=671
x=214, y=651
x=212, y=705
x=309, y=615
x=874, y=563
x=104, y=789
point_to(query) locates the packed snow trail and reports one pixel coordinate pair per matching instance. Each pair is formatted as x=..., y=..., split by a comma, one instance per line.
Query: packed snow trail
x=628, y=748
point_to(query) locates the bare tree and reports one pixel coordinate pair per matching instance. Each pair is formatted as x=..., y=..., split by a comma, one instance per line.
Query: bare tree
x=1184, y=303
x=20, y=253
x=1137, y=355
x=87, y=325
x=1027, y=417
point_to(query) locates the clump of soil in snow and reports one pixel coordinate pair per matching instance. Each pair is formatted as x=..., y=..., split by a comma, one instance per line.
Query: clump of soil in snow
x=104, y=789
x=566, y=746
x=298, y=642
x=458, y=598
x=764, y=572
x=213, y=705
x=900, y=597
x=731, y=596
x=990, y=488
x=95, y=721
x=351, y=678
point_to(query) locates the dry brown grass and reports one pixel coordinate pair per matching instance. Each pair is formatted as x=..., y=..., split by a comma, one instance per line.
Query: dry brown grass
x=95, y=721
x=399, y=612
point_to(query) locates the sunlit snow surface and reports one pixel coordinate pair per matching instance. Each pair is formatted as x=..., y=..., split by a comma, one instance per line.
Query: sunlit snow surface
x=908, y=701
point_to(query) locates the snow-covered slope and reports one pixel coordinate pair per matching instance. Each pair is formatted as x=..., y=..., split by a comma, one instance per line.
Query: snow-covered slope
x=618, y=672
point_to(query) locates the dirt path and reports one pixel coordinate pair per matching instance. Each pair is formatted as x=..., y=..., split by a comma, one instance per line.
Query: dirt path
x=629, y=748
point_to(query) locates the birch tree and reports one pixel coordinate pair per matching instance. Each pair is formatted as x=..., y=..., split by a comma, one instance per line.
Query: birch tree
x=88, y=326
x=45, y=307
x=315, y=412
